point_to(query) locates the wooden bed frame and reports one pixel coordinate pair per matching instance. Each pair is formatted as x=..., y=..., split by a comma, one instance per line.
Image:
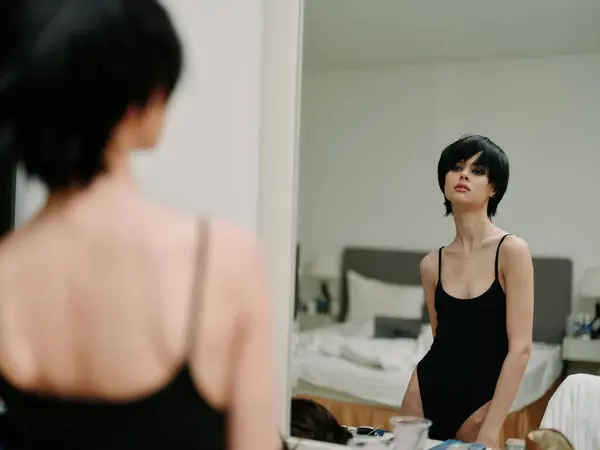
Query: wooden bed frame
x=553, y=289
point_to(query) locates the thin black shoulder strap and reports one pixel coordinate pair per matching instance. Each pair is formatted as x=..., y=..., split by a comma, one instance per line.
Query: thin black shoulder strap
x=498, y=252
x=198, y=283
x=440, y=264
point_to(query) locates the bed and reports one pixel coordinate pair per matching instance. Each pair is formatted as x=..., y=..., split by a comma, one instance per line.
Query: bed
x=359, y=394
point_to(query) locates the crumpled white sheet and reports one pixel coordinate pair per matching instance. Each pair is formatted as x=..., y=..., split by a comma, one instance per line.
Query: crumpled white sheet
x=574, y=410
x=356, y=343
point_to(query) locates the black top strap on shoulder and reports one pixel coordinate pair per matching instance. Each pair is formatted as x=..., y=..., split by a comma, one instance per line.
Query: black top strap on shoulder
x=440, y=264
x=197, y=283
x=498, y=252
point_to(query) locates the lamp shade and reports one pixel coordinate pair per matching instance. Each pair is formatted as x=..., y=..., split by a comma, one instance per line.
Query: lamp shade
x=324, y=268
x=590, y=283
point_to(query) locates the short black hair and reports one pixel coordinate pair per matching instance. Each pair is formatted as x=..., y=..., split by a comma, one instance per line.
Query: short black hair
x=69, y=70
x=492, y=157
x=311, y=420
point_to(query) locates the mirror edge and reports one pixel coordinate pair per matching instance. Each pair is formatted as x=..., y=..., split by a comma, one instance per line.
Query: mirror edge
x=279, y=135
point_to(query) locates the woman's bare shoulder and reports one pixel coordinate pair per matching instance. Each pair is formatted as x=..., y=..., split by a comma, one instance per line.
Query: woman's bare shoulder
x=16, y=247
x=232, y=235
x=515, y=248
x=429, y=265
x=235, y=251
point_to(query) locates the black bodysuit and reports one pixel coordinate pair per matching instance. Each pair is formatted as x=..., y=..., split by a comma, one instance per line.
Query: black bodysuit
x=458, y=375
x=175, y=417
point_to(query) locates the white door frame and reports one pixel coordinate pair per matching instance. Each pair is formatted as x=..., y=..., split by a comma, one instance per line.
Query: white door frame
x=280, y=106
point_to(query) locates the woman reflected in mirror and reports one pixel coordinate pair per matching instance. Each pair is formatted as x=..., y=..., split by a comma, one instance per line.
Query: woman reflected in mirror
x=479, y=295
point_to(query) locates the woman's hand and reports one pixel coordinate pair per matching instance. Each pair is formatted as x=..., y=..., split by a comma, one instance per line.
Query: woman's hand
x=488, y=441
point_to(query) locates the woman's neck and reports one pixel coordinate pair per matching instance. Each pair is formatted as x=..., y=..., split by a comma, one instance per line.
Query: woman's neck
x=117, y=180
x=472, y=228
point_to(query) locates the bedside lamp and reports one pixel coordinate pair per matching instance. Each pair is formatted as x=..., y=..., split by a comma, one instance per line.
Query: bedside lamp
x=589, y=285
x=324, y=269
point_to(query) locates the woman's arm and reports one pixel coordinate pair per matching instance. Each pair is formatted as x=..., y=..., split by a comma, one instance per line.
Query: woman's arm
x=254, y=414
x=518, y=275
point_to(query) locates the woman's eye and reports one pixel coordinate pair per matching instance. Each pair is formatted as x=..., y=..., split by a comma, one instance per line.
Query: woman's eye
x=458, y=168
x=478, y=171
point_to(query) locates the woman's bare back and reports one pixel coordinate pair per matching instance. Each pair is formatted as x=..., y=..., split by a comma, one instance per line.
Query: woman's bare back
x=108, y=296
x=98, y=306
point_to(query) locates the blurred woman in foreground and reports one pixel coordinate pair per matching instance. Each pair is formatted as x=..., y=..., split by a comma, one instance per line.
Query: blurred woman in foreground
x=123, y=324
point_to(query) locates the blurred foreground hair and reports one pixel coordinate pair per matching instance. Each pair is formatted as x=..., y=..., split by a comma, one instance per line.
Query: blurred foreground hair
x=69, y=70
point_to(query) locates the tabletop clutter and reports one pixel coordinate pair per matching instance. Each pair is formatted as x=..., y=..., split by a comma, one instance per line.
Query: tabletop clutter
x=584, y=325
x=411, y=433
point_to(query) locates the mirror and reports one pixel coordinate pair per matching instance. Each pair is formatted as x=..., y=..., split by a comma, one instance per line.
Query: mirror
x=386, y=86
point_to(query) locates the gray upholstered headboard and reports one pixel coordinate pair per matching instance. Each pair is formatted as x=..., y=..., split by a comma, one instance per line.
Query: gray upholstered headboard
x=553, y=284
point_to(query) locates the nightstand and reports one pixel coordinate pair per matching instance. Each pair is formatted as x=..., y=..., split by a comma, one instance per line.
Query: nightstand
x=313, y=321
x=582, y=355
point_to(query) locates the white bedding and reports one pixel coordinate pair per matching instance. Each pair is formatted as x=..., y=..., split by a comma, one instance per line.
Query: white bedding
x=574, y=410
x=355, y=344
x=346, y=360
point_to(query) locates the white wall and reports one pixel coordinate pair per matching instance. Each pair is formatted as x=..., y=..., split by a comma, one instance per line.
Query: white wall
x=208, y=159
x=370, y=141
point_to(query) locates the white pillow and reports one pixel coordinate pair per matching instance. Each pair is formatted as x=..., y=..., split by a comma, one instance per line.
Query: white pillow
x=369, y=298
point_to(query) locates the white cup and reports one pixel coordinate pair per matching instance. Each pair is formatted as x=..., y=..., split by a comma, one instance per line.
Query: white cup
x=410, y=433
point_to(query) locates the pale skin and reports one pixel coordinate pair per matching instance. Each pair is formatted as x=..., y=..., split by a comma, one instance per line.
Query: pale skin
x=467, y=272
x=101, y=274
